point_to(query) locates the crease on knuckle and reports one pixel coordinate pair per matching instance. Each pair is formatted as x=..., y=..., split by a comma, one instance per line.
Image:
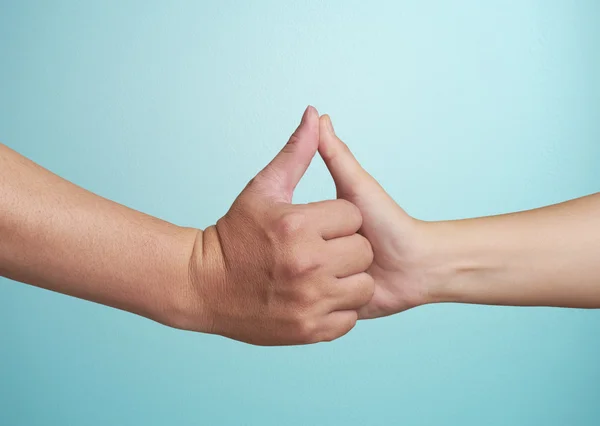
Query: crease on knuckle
x=292, y=143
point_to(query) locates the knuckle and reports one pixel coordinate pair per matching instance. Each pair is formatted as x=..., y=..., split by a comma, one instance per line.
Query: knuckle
x=252, y=182
x=351, y=212
x=343, y=329
x=350, y=207
x=256, y=185
x=367, y=249
x=306, y=330
x=344, y=147
x=330, y=336
x=292, y=143
x=341, y=149
x=290, y=224
x=367, y=288
x=298, y=263
x=308, y=295
x=352, y=320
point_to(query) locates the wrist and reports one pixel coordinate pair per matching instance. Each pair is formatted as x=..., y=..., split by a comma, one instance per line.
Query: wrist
x=196, y=300
x=171, y=299
x=452, y=261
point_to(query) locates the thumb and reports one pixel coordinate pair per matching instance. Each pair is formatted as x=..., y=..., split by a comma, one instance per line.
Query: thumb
x=280, y=177
x=350, y=178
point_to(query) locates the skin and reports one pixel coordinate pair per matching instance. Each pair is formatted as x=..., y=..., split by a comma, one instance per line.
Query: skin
x=268, y=273
x=273, y=273
x=542, y=257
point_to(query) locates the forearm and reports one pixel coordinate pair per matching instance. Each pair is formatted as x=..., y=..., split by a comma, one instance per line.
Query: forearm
x=58, y=236
x=548, y=257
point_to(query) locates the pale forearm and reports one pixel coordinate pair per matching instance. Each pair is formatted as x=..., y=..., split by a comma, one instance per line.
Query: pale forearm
x=548, y=257
x=58, y=236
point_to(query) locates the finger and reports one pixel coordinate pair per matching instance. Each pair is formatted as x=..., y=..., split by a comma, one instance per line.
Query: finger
x=280, y=177
x=336, y=325
x=352, y=293
x=349, y=255
x=349, y=176
x=370, y=310
x=334, y=218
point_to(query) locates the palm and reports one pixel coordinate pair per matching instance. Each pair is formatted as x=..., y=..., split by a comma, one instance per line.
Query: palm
x=393, y=236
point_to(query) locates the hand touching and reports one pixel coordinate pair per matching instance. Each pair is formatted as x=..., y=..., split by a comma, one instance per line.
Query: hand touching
x=398, y=268
x=541, y=257
x=271, y=272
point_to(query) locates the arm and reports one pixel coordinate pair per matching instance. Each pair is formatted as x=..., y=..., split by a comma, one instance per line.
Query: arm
x=56, y=235
x=548, y=256
x=269, y=272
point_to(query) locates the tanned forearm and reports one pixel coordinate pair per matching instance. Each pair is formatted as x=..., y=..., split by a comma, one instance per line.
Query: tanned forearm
x=56, y=235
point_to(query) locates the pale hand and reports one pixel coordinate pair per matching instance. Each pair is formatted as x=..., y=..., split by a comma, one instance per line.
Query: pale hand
x=401, y=277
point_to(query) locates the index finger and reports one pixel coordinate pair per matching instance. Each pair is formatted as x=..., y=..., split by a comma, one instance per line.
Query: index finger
x=335, y=218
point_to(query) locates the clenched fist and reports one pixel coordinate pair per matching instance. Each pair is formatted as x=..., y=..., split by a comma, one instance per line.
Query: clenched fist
x=274, y=273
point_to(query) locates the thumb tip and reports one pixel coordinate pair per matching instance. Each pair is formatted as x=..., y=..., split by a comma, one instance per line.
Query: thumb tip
x=326, y=125
x=290, y=164
x=326, y=136
x=307, y=133
x=309, y=125
x=309, y=113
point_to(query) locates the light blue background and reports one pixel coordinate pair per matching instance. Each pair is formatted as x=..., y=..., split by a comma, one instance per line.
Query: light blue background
x=459, y=108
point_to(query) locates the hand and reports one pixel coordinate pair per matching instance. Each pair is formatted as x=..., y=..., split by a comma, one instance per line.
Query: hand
x=274, y=273
x=399, y=267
